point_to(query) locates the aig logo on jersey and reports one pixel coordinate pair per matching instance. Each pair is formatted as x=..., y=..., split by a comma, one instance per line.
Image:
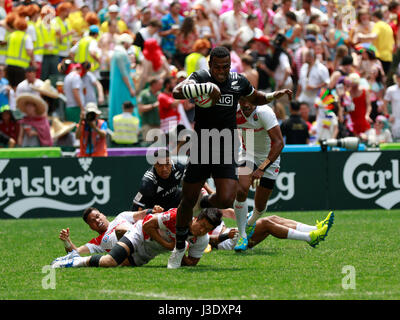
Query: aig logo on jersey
x=226, y=100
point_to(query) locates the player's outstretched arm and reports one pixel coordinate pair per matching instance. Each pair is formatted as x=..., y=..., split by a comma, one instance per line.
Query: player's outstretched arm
x=259, y=98
x=69, y=245
x=224, y=235
x=140, y=214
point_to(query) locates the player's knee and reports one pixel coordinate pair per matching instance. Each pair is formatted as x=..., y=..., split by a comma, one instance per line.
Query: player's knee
x=267, y=222
x=241, y=194
x=273, y=218
x=226, y=201
x=107, y=262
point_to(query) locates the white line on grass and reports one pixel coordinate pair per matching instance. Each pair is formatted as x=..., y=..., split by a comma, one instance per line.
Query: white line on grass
x=301, y=296
x=353, y=292
x=165, y=295
x=149, y=295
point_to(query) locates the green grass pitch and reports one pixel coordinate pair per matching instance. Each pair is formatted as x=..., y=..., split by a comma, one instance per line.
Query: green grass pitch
x=367, y=240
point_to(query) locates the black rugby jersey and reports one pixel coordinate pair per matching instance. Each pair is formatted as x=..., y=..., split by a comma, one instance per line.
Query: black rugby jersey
x=157, y=191
x=223, y=114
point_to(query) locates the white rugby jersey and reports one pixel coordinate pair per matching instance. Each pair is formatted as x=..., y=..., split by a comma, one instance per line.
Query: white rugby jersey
x=167, y=221
x=105, y=241
x=261, y=120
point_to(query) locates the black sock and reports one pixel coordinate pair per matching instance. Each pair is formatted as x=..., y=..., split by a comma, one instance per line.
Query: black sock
x=181, y=236
x=95, y=260
x=204, y=203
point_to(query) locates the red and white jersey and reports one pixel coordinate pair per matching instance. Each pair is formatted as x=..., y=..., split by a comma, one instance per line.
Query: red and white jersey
x=166, y=223
x=260, y=121
x=105, y=241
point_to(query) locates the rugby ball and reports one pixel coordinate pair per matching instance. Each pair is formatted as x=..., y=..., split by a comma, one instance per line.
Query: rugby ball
x=203, y=101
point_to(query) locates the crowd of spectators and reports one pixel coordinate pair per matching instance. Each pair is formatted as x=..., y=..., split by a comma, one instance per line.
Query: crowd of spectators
x=100, y=73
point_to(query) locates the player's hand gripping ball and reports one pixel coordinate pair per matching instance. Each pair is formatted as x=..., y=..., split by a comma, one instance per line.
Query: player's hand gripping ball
x=208, y=100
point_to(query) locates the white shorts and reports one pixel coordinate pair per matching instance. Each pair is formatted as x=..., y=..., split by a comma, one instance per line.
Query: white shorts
x=143, y=250
x=271, y=172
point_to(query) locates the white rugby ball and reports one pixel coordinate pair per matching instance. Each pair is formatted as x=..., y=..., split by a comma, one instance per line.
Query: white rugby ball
x=203, y=101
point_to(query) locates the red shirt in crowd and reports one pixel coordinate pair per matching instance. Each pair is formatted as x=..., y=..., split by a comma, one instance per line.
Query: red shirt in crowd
x=11, y=129
x=168, y=113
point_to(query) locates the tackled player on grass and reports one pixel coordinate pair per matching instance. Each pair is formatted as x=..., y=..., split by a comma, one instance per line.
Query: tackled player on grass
x=148, y=238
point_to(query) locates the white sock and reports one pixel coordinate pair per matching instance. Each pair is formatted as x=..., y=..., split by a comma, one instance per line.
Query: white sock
x=241, y=210
x=80, y=262
x=255, y=216
x=305, y=227
x=298, y=235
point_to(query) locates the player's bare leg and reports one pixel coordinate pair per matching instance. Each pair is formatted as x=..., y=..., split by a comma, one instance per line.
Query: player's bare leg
x=184, y=215
x=190, y=194
x=224, y=195
x=260, y=206
x=272, y=226
x=260, y=203
x=266, y=226
x=117, y=256
x=292, y=224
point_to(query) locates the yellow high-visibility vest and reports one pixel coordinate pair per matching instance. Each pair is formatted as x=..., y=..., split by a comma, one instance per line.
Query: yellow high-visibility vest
x=63, y=44
x=49, y=37
x=16, y=51
x=82, y=53
x=125, y=129
x=38, y=44
x=191, y=62
x=3, y=48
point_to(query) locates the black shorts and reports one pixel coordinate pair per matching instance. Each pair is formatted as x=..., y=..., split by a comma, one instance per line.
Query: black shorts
x=200, y=172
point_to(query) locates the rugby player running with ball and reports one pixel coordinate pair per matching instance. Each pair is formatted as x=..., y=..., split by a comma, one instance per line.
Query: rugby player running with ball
x=217, y=118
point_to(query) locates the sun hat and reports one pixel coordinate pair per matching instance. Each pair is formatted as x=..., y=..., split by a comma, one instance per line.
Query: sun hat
x=125, y=38
x=59, y=128
x=113, y=8
x=354, y=78
x=92, y=107
x=47, y=90
x=40, y=105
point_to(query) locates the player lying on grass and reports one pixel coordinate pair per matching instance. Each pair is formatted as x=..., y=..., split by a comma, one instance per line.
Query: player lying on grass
x=149, y=237
x=260, y=157
x=109, y=231
x=226, y=238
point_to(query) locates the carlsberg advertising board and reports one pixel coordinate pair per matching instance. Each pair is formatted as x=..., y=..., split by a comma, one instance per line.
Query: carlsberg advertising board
x=65, y=187
x=33, y=188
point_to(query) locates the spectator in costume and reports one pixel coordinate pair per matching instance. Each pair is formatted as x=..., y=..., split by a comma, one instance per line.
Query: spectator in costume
x=34, y=126
x=122, y=87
